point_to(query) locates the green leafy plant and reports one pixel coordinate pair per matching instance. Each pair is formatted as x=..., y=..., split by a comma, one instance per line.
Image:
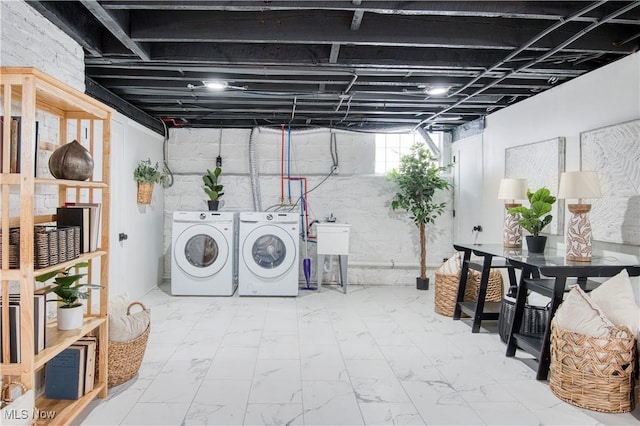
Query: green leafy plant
x=211, y=185
x=145, y=171
x=418, y=179
x=66, y=286
x=535, y=218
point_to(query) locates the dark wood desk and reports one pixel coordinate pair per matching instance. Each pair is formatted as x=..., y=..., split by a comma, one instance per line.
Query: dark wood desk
x=545, y=274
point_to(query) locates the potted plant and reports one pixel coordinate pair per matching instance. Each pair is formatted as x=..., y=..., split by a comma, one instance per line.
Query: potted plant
x=70, y=293
x=147, y=174
x=212, y=188
x=535, y=218
x=417, y=179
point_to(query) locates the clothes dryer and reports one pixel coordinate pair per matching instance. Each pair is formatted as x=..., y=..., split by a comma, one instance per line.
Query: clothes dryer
x=268, y=251
x=203, y=261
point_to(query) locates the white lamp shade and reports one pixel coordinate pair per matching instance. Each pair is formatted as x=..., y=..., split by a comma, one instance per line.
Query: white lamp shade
x=512, y=189
x=581, y=184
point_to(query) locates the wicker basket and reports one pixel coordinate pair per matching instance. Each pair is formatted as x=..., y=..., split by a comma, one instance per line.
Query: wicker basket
x=446, y=290
x=534, y=319
x=596, y=373
x=145, y=191
x=125, y=358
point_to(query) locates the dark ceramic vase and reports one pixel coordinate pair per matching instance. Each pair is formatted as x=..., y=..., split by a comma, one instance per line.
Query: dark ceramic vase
x=71, y=161
x=213, y=204
x=536, y=244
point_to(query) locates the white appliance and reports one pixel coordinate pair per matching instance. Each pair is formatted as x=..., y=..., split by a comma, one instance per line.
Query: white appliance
x=268, y=250
x=204, y=261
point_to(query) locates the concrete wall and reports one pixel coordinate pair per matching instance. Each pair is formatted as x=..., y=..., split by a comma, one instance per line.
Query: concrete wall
x=384, y=245
x=603, y=97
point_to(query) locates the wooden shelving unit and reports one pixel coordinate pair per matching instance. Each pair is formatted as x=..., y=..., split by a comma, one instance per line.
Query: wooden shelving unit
x=31, y=94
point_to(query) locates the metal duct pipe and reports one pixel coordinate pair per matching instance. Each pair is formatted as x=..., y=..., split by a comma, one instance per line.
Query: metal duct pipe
x=253, y=172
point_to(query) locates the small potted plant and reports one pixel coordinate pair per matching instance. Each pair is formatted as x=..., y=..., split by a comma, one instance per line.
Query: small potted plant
x=418, y=179
x=147, y=174
x=535, y=218
x=212, y=188
x=69, y=293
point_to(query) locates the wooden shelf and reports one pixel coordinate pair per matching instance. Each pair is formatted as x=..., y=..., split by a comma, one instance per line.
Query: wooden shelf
x=58, y=340
x=63, y=411
x=74, y=183
x=33, y=95
x=63, y=265
x=11, y=274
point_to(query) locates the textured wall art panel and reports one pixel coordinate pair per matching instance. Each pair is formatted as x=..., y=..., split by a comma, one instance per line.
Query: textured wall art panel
x=541, y=164
x=614, y=152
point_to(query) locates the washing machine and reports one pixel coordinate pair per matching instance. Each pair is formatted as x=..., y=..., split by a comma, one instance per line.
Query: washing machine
x=204, y=262
x=268, y=250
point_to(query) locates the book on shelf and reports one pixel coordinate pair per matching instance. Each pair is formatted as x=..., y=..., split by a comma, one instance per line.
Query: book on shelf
x=94, y=222
x=39, y=322
x=14, y=332
x=14, y=142
x=64, y=374
x=80, y=216
x=89, y=345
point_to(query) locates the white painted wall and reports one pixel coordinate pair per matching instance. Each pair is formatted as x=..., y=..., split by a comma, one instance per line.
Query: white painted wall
x=603, y=97
x=384, y=245
x=30, y=40
x=136, y=263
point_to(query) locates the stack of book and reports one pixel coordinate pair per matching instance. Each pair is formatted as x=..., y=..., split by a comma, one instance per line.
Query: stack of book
x=39, y=326
x=87, y=217
x=71, y=373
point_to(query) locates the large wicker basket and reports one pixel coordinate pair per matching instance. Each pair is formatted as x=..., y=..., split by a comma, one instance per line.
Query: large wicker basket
x=125, y=358
x=596, y=373
x=446, y=290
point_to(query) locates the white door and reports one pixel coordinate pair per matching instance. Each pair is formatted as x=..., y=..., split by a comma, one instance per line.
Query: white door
x=118, y=256
x=468, y=180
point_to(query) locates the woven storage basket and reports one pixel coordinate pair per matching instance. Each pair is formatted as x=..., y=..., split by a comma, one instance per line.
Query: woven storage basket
x=125, y=358
x=145, y=191
x=596, y=373
x=446, y=290
x=534, y=319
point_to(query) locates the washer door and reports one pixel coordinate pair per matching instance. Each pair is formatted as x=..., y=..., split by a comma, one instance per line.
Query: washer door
x=269, y=251
x=201, y=251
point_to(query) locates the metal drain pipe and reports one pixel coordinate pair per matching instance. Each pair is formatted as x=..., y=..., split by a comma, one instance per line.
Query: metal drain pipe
x=253, y=172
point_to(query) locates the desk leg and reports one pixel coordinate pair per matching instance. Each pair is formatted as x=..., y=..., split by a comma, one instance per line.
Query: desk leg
x=521, y=300
x=462, y=284
x=545, y=353
x=320, y=269
x=482, y=293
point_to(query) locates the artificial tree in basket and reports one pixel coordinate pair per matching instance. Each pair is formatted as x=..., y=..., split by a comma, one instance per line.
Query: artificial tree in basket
x=418, y=179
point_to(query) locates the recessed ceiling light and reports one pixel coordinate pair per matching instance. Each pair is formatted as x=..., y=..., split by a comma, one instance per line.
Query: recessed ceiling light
x=216, y=84
x=437, y=90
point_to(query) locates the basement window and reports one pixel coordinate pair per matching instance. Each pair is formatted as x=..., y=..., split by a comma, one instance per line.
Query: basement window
x=390, y=147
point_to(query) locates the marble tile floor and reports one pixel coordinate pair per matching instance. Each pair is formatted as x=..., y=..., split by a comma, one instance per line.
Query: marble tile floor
x=376, y=356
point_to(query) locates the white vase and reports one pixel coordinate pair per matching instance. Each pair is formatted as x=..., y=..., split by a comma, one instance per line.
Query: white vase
x=70, y=318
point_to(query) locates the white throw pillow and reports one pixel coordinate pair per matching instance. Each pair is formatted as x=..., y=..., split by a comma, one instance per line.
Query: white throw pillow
x=123, y=328
x=615, y=298
x=118, y=305
x=580, y=314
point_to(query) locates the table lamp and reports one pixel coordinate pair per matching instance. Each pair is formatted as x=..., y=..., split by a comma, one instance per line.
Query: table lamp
x=579, y=185
x=512, y=189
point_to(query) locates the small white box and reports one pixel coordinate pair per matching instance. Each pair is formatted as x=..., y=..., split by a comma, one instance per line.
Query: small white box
x=333, y=238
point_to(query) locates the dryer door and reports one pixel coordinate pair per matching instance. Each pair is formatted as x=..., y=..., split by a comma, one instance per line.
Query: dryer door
x=201, y=251
x=269, y=251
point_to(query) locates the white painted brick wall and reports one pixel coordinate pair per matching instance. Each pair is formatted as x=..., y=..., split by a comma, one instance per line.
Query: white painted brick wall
x=30, y=40
x=384, y=245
